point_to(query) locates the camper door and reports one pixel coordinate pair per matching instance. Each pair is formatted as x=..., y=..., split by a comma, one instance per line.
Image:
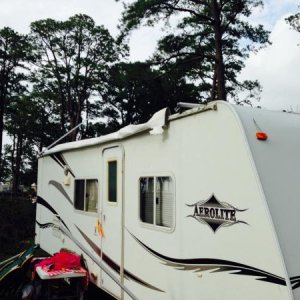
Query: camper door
x=111, y=215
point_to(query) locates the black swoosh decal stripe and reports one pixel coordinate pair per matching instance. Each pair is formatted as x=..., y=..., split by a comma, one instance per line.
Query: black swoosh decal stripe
x=215, y=265
x=45, y=225
x=210, y=264
x=113, y=264
x=90, y=242
x=60, y=188
x=44, y=203
x=295, y=282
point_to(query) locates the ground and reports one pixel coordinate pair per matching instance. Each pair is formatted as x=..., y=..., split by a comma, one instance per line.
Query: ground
x=17, y=224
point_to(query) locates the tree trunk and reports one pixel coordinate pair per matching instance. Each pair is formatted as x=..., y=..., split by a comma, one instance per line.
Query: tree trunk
x=19, y=152
x=219, y=67
x=62, y=116
x=214, y=85
x=75, y=118
x=12, y=159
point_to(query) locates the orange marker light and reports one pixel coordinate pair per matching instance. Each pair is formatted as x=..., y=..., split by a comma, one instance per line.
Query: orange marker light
x=262, y=136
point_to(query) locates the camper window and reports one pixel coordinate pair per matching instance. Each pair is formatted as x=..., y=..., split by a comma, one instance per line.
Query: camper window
x=112, y=181
x=79, y=194
x=86, y=195
x=157, y=201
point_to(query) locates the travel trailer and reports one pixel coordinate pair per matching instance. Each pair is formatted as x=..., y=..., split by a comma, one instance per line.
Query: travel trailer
x=202, y=204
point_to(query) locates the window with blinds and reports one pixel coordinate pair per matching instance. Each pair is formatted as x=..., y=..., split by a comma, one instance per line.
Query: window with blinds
x=157, y=201
x=86, y=195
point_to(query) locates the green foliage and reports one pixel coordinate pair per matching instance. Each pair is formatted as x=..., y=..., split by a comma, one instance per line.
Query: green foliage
x=15, y=53
x=6, y=163
x=135, y=92
x=31, y=125
x=19, y=127
x=210, y=43
x=72, y=62
x=294, y=21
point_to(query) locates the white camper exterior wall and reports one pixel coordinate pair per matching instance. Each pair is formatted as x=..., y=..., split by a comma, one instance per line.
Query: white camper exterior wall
x=278, y=166
x=213, y=158
x=84, y=165
x=205, y=154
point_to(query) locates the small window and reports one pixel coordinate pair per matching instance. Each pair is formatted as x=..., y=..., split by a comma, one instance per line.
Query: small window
x=157, y=201
x=86, y=195
x=112, y=181
x=79, y=194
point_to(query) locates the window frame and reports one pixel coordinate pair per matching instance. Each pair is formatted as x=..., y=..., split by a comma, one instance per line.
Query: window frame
x=153, y=225
x=84, y=202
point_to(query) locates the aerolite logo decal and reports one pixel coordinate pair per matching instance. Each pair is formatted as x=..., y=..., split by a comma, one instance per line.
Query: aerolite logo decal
x=215, y=214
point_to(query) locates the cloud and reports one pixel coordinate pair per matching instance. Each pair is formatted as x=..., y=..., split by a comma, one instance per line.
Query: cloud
x=277, y=68
x=272, y=11
x=18, y=14
x=14, y=14
x=143, y=43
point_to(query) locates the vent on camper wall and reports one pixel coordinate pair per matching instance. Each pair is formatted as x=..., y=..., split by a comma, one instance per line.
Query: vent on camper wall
x=260, y=135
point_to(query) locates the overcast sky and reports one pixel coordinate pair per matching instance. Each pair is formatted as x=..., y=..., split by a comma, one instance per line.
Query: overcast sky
x=277, y=67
